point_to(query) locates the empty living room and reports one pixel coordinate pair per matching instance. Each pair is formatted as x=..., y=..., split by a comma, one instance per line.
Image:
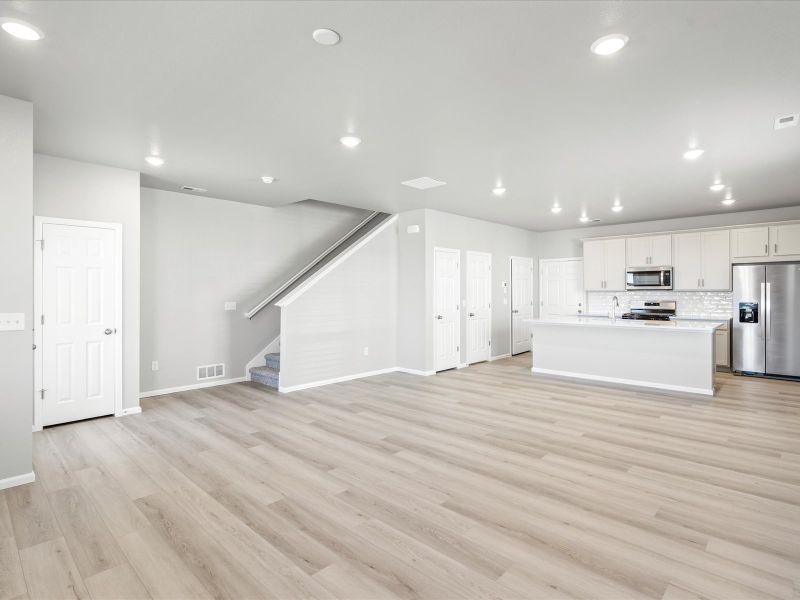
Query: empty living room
x=399, y=299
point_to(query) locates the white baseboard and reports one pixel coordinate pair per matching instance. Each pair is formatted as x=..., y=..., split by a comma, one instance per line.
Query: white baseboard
x=35, y=428
x=462, y=365
x=133, y=410
x=16, y=480
x=193, y=386
x=499, y=356
x=414, y=372
x=313, y=384
x=634, y=382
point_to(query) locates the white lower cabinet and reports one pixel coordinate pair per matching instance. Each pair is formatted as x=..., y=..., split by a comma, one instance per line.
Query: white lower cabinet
x=722, y=347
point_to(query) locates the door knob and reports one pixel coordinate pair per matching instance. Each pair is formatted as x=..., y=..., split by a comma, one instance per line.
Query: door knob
x=439, y=317
x=108, y=331
x=471, y=314
x=514, y=312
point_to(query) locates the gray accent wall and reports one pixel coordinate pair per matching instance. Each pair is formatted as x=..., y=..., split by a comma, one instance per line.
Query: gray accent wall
x=70, y=189
x=16, y=289
x=200, y=252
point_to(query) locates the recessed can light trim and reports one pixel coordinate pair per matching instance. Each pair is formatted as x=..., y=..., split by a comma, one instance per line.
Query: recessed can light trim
x=21, y=30
x=609, y=44
x=154, y=161
x=693, y=153
x=350, y=141
x=268, y=179
x=326, y=37
x=499, y=191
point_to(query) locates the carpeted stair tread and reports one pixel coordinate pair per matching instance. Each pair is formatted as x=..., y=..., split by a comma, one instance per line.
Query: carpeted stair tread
x=273, y=360
x=265, y=376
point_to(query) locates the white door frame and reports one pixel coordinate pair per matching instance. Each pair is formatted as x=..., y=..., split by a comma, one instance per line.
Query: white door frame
x=38, y=272
x=511, y=299
x=542, y=261
x=458, y=364
x=465, y=312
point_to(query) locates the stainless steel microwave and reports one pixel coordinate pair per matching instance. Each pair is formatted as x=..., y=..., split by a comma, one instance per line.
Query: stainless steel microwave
x=648, y=278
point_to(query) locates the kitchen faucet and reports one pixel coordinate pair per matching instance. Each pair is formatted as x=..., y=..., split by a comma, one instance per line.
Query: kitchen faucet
x=614, y=307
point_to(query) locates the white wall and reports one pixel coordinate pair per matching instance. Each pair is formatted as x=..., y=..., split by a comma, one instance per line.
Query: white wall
x=70, y=189
x=16, y=288
x=198, y=253
x=325, y=330
x=414, y=337
x=566, y=243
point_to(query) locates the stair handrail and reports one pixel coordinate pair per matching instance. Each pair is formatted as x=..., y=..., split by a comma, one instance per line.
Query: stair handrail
x=254, y=311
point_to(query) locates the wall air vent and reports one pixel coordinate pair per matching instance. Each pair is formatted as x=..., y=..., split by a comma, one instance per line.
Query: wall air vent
x=787, y=121
x=423, y=183
x=210, y=372
x=191, y=188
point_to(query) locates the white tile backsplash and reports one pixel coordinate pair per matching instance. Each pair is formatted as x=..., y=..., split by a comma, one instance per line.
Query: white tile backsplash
x=695, y=305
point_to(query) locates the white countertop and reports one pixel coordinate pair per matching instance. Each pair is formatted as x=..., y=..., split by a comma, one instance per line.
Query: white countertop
x=593, y=321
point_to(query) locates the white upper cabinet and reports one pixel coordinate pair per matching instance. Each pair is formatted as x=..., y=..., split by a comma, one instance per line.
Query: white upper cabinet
x=702, y=260
x=750, y=242
x=649, y=250
x=785, y=240
x=604, y=265
x=687, y=251
x=716, y=256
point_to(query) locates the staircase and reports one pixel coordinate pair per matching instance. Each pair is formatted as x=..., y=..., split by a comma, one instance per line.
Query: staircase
x=268, y=375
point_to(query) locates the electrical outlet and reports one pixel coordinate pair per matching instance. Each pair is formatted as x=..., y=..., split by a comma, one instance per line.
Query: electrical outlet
x=366, y=350
x=12, y=321
x=230, y=306
x=154, y=365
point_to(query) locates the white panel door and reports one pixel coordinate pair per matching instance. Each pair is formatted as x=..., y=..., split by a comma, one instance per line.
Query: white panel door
x=561, y=289
x=446, y=303
x=479, y=306
x=78, y=301
x=521, y=303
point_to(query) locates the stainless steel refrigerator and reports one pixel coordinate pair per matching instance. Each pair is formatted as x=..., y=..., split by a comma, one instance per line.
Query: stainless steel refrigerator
x=766, y=319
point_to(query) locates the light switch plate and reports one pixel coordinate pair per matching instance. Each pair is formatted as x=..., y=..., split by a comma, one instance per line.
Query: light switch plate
x=230, y=306
x=12, y=321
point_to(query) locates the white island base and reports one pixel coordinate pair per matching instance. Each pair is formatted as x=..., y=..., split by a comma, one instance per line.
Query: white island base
x=674, y=356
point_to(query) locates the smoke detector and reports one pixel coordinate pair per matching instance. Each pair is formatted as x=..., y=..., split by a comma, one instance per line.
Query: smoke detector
x=423, y=183
x=787, y=121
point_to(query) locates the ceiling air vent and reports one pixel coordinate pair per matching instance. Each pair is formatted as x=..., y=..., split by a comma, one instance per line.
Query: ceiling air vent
x=423, y=183
x=786, y=121
x=191, y=188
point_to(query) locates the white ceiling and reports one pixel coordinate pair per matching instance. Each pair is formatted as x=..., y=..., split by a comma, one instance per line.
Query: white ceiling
x=472, y=93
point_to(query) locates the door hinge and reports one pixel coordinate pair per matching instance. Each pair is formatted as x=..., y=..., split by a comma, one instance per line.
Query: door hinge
x=42, y=320
x=41, y=243
x=41, y=394
x=490, y=342
x=458, y=348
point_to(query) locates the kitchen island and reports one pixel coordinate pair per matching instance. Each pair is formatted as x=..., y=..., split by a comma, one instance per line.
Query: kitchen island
x=666, y=355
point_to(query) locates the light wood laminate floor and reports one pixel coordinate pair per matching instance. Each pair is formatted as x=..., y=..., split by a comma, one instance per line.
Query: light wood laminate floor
x=484, y=482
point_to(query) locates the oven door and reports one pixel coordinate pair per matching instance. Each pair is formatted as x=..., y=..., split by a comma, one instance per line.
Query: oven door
x=649, y=279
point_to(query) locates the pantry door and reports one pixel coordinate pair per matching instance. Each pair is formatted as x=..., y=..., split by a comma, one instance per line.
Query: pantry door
x=446, y=305
x=521, y=303
x=479, y=306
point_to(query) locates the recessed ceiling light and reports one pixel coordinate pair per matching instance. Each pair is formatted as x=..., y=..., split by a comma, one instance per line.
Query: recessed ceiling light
x=693, y=153
x=728, y=198
x=556, y=208
x=584, y=218
x=326, y=37
x=423, y=183
x=22, y=30
x=717, y=187
x=617, y=206
x=155, y=161
x=499, y=191
x=268, y=179
x=350, y=141
x=609, y=44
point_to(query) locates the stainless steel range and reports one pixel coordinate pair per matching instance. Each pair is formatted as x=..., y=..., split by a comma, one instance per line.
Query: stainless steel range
x=652, y=311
